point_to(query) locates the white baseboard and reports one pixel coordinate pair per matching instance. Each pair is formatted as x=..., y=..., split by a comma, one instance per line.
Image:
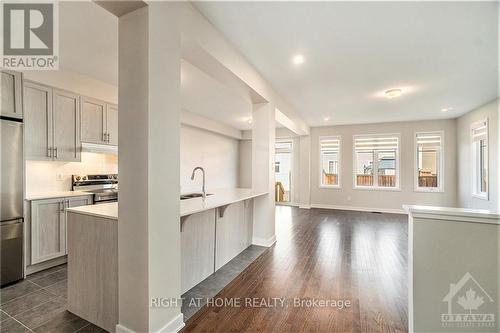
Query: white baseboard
x=264, y=242
x=173, y=326
x=305, y=206
x=360, y=209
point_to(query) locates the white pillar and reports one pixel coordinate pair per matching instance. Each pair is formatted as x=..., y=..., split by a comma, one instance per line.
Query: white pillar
x=305, y=172
x=263, y=139
x=149, y=125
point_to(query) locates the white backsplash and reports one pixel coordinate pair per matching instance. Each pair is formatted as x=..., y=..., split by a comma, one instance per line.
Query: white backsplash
x=44, y=176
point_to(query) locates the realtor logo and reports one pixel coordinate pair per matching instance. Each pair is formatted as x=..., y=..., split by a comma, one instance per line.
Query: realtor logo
x=29, y=35
x=469, y=305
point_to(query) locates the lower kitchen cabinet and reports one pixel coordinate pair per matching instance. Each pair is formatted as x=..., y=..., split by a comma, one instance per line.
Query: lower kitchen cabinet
x=210, y=239
x=48, y=226
x=197, y=248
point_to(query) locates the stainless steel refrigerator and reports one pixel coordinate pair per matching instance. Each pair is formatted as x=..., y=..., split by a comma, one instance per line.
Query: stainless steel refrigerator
x=11, y=200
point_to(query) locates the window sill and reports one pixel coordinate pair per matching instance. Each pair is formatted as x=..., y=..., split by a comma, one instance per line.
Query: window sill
x=429, y=190
x=378, y=188
x=330, y=187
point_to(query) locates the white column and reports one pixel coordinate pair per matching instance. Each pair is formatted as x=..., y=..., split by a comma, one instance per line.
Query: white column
x=263, y=139
x=149, y=125
x=305, y=172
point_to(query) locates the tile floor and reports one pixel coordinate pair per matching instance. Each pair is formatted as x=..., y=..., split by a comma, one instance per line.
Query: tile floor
x=38, y=304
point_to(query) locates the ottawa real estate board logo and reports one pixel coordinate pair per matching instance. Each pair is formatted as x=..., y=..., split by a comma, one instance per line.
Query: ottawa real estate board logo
x=30, y=35
x=469, y=305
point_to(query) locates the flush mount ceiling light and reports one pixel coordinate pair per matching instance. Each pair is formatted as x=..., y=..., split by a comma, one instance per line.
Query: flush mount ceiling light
x=393, y=93
x=446, y=109
x=326, y=118
x=298, y=59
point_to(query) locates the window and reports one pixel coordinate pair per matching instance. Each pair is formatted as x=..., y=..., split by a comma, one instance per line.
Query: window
x=376, y=161
x=479, y=133
x=329, y=156
x=429, y=161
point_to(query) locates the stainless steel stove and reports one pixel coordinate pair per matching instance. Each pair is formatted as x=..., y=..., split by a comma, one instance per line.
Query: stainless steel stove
x=104, y=187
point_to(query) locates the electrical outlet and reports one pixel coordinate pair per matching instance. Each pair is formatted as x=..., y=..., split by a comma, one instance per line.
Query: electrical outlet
x=59, y=176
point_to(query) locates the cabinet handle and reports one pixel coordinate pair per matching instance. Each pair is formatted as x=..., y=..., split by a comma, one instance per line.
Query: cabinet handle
x=55, y=152
x=49, y=152
x=61, y=206
x=109, y=136
x=104, y=136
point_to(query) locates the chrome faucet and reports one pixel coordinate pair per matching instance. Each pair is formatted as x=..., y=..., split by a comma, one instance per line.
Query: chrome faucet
x=203, y=188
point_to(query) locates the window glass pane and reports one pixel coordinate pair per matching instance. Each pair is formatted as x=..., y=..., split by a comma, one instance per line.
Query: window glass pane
x=483, y=152
x=386, y=168
x=428, y=160
x=364, y=168
x=329, y=160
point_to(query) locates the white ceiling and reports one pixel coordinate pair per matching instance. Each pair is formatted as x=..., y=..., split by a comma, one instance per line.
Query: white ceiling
x=442, y=54
x=88, y=43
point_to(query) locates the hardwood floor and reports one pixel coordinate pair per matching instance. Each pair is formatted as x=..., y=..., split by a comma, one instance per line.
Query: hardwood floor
x=353, y=257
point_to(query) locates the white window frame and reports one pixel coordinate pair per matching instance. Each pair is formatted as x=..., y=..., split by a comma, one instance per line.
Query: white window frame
x=440, y=188
x=375, y=186
x=339, y=178
x=474, y=166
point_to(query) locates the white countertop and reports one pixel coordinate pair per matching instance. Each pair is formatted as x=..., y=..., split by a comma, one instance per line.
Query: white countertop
x=55, y=194
x=104, y=210
x=219, y=198
x=464, y=214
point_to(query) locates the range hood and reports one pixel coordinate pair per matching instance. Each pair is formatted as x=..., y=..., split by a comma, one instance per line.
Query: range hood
x=99, y=149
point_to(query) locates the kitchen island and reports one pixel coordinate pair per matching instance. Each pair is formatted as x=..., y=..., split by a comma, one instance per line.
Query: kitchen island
x=213, y=231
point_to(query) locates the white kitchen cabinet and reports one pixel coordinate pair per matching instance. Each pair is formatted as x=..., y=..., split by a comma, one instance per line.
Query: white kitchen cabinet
x=48, y=226
x=66, y=126
x=99, y=122
x=38, y=121
x=52, y=123
x=232, y=232
x=197, y=248
x=93, y=121
x=11, y=94
x=112, y=124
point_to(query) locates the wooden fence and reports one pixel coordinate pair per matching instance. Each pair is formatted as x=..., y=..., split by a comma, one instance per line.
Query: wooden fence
x=383, y=180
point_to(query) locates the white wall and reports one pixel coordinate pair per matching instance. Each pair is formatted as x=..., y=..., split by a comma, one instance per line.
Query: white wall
x=42, y=176
x=217, y=154
x=465, y=198
x=245, y=160
x=380, y=199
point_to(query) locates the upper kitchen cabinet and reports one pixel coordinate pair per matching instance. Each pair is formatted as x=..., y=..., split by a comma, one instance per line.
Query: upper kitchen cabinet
x=11, y=94
x=93, y=121
x=52, y=123
x=38, y=121
x=66, y=119
x=112, y=124
x=99, y=122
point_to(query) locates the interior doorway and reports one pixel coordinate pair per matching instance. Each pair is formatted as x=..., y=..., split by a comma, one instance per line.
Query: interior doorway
x=283, y=169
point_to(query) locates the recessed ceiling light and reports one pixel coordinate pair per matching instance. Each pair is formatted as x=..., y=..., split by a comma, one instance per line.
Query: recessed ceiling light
x=298, y=59
x=446, y=109
x=326, y=118
x=393, y=93
x=249, y=121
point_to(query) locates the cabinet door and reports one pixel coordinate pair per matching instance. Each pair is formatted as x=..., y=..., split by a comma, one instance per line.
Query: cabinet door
x=38, y=121
x=10, y=94
x=231, y=234
x=112, y=124
x=66, y=115
x=73, y=202
x=197, y=248
x=48, y=230
x=93, y=117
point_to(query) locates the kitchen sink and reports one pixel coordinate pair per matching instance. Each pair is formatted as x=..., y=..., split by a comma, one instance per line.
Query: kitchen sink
x=193, y=195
